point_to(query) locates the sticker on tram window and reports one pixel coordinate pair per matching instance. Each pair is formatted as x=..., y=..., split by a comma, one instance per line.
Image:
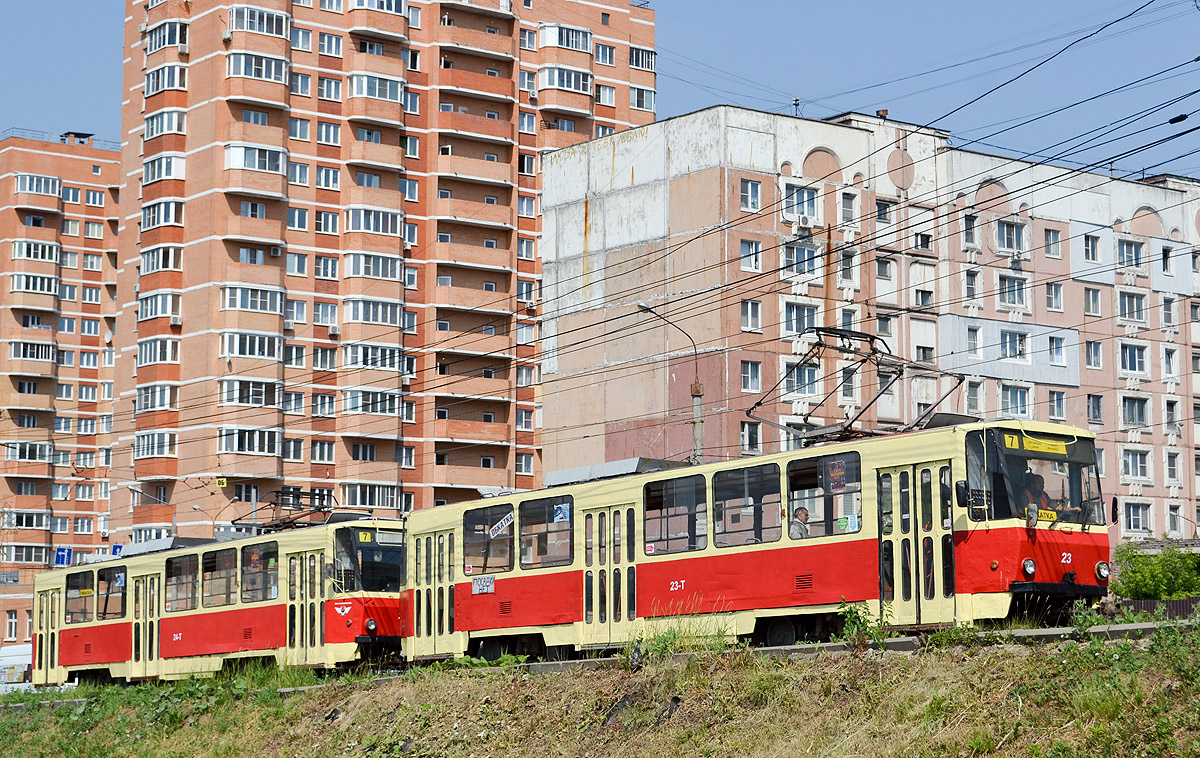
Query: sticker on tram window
x=562, y=512
x=468, y=569
x=852, y=523
x=837, y=476
x=501, y=525
x=364, y=536
x=1045, y=515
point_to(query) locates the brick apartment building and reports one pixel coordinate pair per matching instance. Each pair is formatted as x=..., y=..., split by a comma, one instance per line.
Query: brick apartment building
x=1060, y=295
x=328, y=280
x=58, y=261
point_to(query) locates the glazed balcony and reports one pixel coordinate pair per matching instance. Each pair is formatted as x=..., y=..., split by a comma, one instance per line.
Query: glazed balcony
x=375, y=197
x=495, y=8
x=474, y=343
x=28, y=469
x=32, y=201
x=379, y=471
x=26, y=367
x=370, y=154
x=257, y=91
x=263, y=184
x=380, y=24
x=474, y=212
x=248, y=466
x=33, y=301
x=474, y=255
x=558, y=138
x=179, y=9
x=474, y=42
x=476, y=170
x=566, y=102
x=374, y=111
x=259, y=134
x=479, y=127
x=391, y=66
x=28, y=401
x=265, y=231
x=484, y=86
x=468, y=476
x=470, y=299
x=475, y=386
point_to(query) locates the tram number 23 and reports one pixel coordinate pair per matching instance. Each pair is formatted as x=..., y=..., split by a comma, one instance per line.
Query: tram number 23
x=677, y=584
x=1066, y=557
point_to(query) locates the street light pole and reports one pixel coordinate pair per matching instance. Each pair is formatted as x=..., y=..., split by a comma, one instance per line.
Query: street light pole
x=217, y=515
x=697, y=387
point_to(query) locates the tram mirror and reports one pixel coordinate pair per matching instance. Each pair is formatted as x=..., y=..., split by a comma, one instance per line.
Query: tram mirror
x=1113, y=520
x=962, y=494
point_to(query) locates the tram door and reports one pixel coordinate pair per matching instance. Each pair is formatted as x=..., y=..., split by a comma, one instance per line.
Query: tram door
x=609, y=574
x=916, y=543
x=434, y=558
x=306, y=608
x=144, y=661
x=46, y=637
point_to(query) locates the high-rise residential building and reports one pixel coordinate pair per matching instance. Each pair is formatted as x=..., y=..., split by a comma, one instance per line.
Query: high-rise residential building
x=58, y=255
x=328, y=286
x=1056, y=294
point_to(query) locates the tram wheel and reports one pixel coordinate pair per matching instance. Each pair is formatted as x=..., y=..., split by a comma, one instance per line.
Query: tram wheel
x=781, y=633
x=491, y=648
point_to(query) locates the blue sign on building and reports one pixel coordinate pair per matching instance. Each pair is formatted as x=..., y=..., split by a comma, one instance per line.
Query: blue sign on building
x=62, y=556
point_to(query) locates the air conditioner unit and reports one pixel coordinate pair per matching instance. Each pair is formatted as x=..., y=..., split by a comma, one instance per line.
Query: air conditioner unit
x=533, y=96
x=176, y=321
x=137, y=286
x=104, y=534
x=335, y=330
x=289, y=326
x=407, y=245
x=227, y=35
x=276, y=251
x=183, y=49
x=141, y=28
x=531, y=306
x=806, y=222
x=405, y=380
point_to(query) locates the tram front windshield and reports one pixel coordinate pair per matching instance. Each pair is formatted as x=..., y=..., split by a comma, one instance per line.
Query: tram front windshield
x=369, y=560
x=1010, y=471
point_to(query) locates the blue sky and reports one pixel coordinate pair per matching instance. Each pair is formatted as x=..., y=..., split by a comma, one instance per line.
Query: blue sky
x=63, y=62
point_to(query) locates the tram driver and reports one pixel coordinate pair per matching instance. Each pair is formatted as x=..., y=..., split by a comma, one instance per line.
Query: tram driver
x=798, y=528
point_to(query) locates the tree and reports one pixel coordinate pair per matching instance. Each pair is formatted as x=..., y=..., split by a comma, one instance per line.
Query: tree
x=1169, y=575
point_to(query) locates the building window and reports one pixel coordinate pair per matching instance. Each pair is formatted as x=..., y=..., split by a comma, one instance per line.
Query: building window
x=1057, y=405
x=751, y=195
x=1168, y=312
x=883, y=210
x=798, y=260
x=1091, y=248
x=1053, y=243
x=1129, y=254
x=641, y=98
x=1054, y=297
x=1091, y=301
x=1133, y=358
x=751, y=316
x=1134, y=411
x=750, y=437
x=1012, y=345
x=1092, y=354
x=973, y=342
x=1012, y=291
x=1057, y=353
x=800, y=201
x=1132, y=306
x=524, y=464
x=1010, y=236
x=751, y=376
x=751, y=258
x=798, y=318
x=1014, y=401
x=974, y=397
x=971, y=285
x=1137, y=518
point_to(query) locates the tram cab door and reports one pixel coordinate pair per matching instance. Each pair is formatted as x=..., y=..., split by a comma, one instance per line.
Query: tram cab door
x=46, y=638
x=434, y=632
x=916, y=544
x=306, y=576
x=144, y=660
x=609, y=575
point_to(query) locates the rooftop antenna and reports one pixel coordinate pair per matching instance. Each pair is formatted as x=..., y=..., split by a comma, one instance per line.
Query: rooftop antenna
x=796, y=100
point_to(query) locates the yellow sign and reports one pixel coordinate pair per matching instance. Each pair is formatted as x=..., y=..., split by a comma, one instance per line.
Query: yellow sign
x=1012, y=441
x=221, y=481
x=1045, y=446
x=364, y=536
x=1045, y=515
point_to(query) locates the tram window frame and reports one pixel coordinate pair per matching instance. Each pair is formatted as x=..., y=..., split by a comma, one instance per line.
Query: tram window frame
x=108, y=579
x=840, y=470
x=183, y=571
x=550, y=539
x=480, y=543
x=81, y=611
x=210, y=564
x=753, y=491
x=260, y=578
x=657, y=512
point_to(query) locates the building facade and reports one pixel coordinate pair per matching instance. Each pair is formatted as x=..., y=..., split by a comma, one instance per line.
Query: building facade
x=723, y=235
x=328, y=286
x=58, y=256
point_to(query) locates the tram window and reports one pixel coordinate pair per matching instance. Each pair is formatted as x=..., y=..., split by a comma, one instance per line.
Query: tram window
x=926, y=500
x=220, y=577
x=927, y=567
x=110, y=593
x=631, y=593
x=988, y=496
x=946, y=493
x=450, y=567
x=629, y=548
x=260, y=572
x=746, y=506
x=885, y=504
x=675, y=515
x=488, y=540
x=181, y=577
x=81, y=597
x=905, y=502
x=887, y=573
x=947, y=565
x=546, y=532
x=830, y=488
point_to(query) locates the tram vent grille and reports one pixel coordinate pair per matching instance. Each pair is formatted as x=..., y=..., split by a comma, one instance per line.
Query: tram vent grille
x=505, y=607
x=87, y=647
x=803, y=582
x=248, y=633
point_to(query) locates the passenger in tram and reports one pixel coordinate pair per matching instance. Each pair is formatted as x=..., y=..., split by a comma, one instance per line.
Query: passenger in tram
x=798, y=528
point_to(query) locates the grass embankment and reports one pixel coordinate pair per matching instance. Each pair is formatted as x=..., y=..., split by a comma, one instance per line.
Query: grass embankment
x=1084, y=698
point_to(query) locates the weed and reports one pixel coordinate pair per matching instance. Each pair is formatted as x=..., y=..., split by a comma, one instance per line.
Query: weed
x=860, y=628
x=1084, y=616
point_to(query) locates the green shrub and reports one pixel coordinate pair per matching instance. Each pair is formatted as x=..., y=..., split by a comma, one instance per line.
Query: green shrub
x=1169, y=575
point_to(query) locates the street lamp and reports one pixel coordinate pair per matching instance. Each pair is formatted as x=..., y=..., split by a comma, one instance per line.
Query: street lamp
x=214, y=517
x=697, y=387
x=160, y=501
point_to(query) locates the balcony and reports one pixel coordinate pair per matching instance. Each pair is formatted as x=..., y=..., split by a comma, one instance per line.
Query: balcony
x=476, y=127
x=34, y=202
x=183, y=9
x=566, y=102
x=374, y=111
x=28, y=469
x=259, y=134
x=257, y=91
x=557, y=138
x=384, y=65
x=26, y=367
x=375, y=197
x=33, y=301
x=474, y=212
x=475, y=170
x=475, y=343
x=468, y=476
x=263, y=184
x=374, y=154
x=266, y=231
x=152, y=469
x=498, y=88
x=29, y=401
x=379, y=471
x=466, y=298
x=475, y=386
x=247, y=466
x=501, y=8
x=373, y=425
x=497, y=46
x=372, y=22
x=475, y=256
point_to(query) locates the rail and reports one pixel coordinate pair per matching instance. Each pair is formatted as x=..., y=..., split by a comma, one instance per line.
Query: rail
x=63, y=139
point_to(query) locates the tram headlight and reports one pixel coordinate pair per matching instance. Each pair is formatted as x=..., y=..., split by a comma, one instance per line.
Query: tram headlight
x=1103, y=571
x=1029, y=566
x=371, y=625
